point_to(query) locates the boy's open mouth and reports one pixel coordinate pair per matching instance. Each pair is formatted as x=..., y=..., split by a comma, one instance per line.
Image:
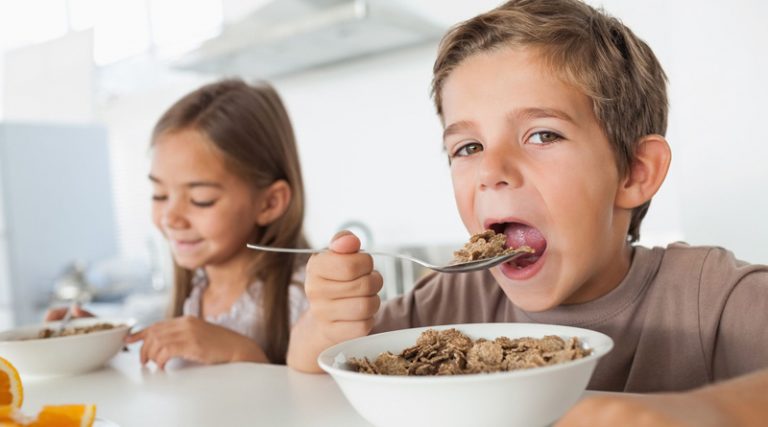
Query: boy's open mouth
x=519, y=234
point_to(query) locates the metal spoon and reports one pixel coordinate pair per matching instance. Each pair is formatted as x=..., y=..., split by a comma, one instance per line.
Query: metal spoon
x=64, y=322
x=462, y=267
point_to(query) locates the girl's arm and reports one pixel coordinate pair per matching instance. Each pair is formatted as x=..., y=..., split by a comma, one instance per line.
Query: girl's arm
x=196, y=340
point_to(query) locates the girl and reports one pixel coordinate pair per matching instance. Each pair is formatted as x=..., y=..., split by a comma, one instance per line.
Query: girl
x=225, y=172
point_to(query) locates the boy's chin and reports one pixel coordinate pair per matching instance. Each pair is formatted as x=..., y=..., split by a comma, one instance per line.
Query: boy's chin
x=528, y=296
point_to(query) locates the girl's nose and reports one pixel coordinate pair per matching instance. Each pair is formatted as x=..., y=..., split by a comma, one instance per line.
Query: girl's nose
x=499, y=168
x=173, y=214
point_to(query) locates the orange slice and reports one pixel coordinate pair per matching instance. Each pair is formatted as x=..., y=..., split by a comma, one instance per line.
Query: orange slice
x=11, y=390
x=9, y=416
x=65, y=416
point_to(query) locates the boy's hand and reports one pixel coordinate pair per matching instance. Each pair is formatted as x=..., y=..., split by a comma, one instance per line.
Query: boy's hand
x=194, y=339
x=342, y=288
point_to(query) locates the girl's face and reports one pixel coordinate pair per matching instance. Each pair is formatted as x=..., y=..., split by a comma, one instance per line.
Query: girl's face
x=206, y=212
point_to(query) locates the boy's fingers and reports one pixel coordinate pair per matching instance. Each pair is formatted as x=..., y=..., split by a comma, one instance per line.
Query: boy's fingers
x=339, y=267
x=365, y=286
x=344, y=242
x=348, y=309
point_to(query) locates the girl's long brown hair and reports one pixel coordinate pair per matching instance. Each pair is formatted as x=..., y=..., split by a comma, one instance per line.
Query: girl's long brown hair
x=249, y=126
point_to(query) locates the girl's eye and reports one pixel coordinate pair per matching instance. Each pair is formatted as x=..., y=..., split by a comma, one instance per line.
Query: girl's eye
x=544, y=137
x=159, y=198
x=205, y=204
x=468, y=149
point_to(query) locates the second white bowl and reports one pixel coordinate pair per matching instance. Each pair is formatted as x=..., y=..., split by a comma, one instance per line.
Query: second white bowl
x=530, y=397
x=67, y=355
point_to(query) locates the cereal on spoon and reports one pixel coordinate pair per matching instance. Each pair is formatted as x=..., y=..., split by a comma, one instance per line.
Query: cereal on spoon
x=486, y=244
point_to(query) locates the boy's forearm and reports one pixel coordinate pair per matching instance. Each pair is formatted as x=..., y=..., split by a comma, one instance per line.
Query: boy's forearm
x=743, y=400
x=307, y=342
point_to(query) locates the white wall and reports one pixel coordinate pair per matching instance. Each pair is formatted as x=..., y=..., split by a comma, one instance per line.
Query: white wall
x=714, y=54
x=51, y=81
x=371, y=150
x=370, y=143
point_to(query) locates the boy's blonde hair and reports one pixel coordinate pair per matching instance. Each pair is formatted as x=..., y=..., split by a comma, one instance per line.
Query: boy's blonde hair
x=586, y=48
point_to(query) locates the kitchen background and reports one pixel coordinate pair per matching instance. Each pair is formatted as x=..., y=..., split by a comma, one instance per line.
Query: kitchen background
x=83, y=81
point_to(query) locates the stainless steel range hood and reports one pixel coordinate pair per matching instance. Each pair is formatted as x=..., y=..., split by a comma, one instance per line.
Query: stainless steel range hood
x=286, y=36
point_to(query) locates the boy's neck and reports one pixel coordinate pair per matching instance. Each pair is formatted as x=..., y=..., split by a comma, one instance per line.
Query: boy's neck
x=616, y=270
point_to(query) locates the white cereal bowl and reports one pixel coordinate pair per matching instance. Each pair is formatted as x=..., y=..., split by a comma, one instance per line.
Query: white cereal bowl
x=68, y=355
x=530, y=397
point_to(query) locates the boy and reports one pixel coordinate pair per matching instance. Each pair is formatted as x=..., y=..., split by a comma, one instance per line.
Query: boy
x=554, y=116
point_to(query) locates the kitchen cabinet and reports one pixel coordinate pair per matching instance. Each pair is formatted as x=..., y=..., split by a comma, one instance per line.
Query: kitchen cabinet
x=55, y=208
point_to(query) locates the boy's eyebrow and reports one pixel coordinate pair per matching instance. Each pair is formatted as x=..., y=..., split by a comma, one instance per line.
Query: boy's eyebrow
x=191, y=184
x=524, y=113
x=456, y=128
x=539, y=113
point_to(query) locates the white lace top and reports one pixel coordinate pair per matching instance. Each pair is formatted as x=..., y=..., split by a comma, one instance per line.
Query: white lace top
x=245, y=314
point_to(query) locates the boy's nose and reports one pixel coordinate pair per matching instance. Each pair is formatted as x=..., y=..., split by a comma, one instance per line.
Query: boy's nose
x=499, y=169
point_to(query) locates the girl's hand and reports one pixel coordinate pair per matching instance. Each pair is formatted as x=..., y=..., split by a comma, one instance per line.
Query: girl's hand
x=196, y=340
x=58, y=313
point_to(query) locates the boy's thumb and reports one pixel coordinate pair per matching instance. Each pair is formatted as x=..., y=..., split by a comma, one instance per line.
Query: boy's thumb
x=345, y=242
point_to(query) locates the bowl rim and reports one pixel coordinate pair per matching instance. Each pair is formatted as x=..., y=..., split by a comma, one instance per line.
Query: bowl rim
x=332, y=352
x=120, y=324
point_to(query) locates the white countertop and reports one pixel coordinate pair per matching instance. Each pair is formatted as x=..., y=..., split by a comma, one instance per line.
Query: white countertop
x=236, y=394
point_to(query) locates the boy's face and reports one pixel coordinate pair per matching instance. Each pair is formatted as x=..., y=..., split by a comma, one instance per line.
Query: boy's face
x=529, y=159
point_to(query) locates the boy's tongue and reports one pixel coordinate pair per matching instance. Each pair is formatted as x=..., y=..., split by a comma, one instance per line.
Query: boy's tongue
x=523, y=235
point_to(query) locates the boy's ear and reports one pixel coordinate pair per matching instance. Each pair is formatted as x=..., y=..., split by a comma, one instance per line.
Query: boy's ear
x=646, y=173
x=273, y=201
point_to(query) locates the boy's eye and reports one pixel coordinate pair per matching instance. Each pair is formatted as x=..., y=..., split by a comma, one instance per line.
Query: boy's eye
x=544, y=137
x=468, y=149
x=159, y=197
x=203, y=204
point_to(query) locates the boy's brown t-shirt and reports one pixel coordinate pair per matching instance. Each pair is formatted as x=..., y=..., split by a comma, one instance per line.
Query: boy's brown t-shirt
x=682, y=317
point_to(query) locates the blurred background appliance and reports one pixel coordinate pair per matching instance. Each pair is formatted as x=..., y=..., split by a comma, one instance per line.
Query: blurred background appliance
x=288, y=36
